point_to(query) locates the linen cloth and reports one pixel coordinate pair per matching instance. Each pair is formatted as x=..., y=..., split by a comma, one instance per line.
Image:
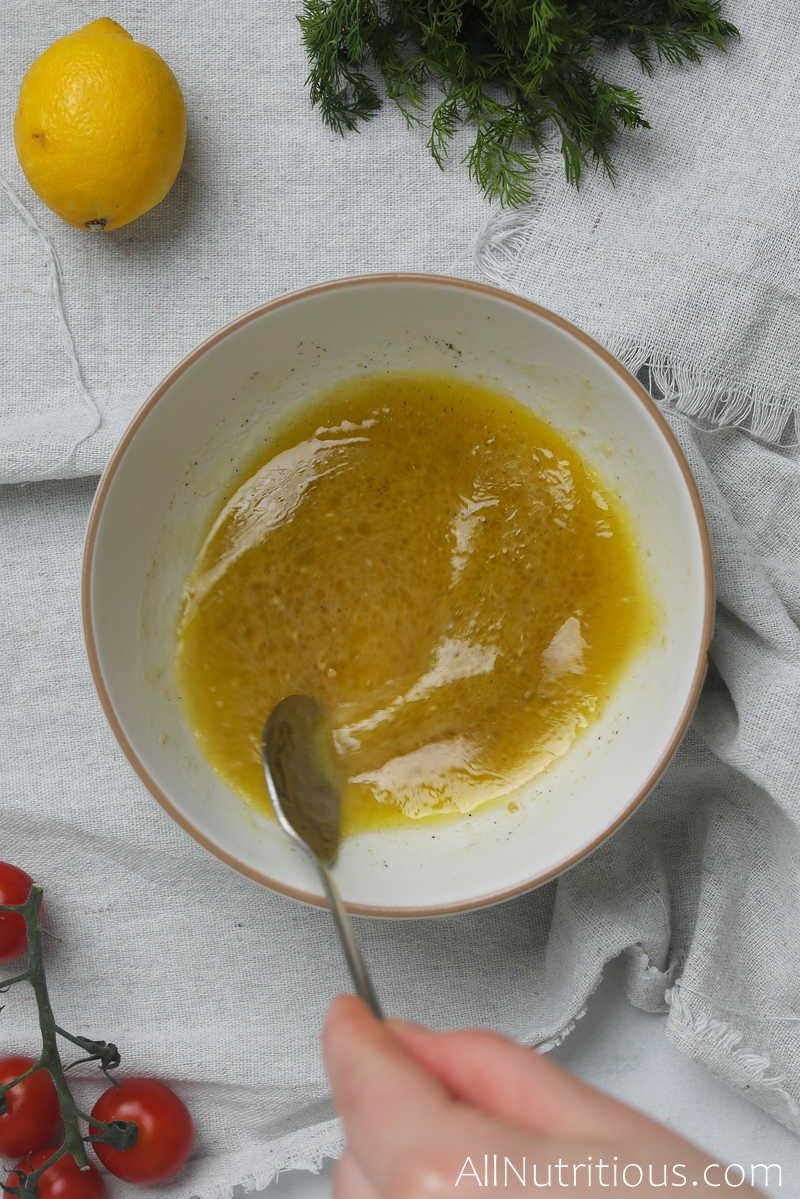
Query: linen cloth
x=268, y=200
x=199, y=975
x=690, y=263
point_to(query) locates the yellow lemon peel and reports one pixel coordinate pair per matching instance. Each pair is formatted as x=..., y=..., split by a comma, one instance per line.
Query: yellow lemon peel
x=100, y=128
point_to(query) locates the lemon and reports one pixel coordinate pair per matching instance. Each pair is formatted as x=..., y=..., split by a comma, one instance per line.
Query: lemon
x=100, y=127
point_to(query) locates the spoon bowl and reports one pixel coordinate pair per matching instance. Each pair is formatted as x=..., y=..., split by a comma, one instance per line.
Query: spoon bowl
x=300, y=772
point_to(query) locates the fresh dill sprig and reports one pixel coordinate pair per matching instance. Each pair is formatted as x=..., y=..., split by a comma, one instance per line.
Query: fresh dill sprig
x=517, y=72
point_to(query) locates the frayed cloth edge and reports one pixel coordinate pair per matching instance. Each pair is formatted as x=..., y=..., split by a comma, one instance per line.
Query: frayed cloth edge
x=637, y=961
x=708, y=402
x=327, y=1143
x=750, y=1071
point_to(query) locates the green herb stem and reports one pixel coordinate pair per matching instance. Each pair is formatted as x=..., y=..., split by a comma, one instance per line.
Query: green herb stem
x=519, y=73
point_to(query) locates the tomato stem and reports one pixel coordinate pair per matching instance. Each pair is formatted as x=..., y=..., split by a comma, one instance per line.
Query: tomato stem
x=119, y=1134
x=50, y=1058
x=8, y=983
x=105, y=1053
x=6, y=1087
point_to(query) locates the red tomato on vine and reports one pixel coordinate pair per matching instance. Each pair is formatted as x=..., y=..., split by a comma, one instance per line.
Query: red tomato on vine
x=15, y=886
x=63, y=1180
x=31, y=1114
x=164, y=1130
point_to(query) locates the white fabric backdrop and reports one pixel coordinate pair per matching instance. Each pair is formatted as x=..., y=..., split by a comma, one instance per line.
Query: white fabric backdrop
x=690, y=262
x=268, y=200
x=209, y=981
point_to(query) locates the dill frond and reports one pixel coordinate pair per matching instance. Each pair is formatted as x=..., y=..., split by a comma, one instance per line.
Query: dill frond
x=519, y=73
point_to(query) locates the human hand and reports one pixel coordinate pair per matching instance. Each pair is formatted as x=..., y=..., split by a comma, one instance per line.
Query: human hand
x=434, y=1114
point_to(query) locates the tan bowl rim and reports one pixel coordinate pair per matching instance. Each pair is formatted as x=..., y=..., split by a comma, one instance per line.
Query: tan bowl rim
x=158, y=393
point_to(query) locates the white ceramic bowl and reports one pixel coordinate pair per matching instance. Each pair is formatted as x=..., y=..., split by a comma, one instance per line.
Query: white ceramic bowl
x=178, y=455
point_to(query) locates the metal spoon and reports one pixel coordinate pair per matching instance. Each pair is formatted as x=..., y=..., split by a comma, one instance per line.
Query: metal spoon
x=299, y=766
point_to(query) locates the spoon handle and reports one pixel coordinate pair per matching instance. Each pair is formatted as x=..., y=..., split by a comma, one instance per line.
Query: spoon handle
x=355, y=962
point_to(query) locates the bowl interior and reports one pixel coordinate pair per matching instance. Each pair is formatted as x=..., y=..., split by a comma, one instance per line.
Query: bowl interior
x=215, y=409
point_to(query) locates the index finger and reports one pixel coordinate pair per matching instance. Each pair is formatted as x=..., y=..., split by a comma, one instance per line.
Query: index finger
x=390, y=1105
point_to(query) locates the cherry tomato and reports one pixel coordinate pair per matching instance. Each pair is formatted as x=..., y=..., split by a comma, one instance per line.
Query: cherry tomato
x=14, y=887
x=31, y=1114
x=63, y=1180
x=164, y=1137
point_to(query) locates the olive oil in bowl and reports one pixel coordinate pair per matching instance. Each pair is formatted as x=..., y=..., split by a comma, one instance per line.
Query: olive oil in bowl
x=436, y=565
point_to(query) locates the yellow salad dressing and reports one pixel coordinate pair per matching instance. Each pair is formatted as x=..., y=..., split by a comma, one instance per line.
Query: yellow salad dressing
x=439, y=567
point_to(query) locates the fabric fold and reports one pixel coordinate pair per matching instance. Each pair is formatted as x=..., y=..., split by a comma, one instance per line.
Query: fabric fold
x=688, y=266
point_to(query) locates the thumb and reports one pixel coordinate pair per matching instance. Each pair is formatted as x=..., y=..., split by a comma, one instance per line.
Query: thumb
x=517, y=1085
